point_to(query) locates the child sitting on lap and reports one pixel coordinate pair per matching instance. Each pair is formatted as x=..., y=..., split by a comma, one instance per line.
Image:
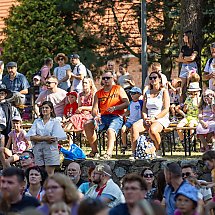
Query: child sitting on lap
x=18, y=141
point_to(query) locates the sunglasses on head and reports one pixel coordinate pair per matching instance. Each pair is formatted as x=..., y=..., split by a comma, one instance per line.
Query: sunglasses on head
x=106, y=78
x=153, y=78
x=25, y=157
x=60, y=59
x=187, y=174
x=148, y=175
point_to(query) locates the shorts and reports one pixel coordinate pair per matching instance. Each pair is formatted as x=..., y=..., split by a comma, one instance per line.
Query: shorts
x=110, y=121
x=46, y=154
x=128, y=124
x=185, y=68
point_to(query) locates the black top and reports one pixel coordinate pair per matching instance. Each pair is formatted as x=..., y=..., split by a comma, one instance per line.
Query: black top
x=81, y=181
x=26, y=202
x=187, y=51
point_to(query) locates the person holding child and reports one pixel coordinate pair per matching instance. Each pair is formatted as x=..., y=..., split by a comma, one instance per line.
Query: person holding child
x=16, y=141
x=191, y=106
x=134, y=113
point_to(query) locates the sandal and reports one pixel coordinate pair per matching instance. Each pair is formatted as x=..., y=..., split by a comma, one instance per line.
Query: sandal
x=106, y=157
x=123, y=149
x=93, y=154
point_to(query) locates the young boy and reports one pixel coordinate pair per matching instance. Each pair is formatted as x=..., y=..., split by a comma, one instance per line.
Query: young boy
x=134, y=112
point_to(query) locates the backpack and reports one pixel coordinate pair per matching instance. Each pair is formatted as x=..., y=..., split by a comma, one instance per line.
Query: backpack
x=74, y=153
x=88, y=72
x=210, y=61
x=145, y=148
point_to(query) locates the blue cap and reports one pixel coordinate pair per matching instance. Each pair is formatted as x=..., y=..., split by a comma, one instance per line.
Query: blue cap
x=76, y=56
x=135, y=90
x=188, y=191
x=11, y=64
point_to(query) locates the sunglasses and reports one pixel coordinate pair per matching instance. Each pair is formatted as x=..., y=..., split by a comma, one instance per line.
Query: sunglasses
x=106, y=78
x=60, y=59
x=133, y=93
x=208, y=96
x=25, y=157
x=187, y=174
x=50, y=82
x=148, y=175
x=153, y=78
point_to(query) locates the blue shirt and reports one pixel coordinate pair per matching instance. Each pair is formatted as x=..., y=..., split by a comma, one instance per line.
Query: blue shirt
x=119, y=210
x=169, y=195
x=17, y=84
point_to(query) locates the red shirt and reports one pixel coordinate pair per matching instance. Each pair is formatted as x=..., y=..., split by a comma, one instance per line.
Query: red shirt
x=70, y=109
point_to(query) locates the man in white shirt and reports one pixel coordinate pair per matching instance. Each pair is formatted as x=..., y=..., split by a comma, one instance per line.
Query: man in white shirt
x=78, y=73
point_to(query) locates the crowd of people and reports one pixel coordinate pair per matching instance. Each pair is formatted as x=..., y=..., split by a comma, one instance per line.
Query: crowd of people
x=174, y=190
x=67, y=101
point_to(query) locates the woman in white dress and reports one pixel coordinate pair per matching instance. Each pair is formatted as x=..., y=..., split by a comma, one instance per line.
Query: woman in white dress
x=44, y=134
x=155, y=111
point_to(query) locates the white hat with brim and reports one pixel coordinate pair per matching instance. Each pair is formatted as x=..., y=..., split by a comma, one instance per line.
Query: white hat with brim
x=194, y=86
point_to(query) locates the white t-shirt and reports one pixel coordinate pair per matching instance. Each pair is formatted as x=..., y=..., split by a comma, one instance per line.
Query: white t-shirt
x=60, y=73
x=78, y=70
x=58, y=99
x=210, y=69
x=135, y=112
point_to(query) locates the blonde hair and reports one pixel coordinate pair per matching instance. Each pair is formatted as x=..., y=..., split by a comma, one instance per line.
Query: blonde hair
x=70, y=191
x=155, y=65
x=60, y=206
x=92, y=85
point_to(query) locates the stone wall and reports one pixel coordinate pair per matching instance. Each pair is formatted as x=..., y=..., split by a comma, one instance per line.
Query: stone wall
x=121, y=167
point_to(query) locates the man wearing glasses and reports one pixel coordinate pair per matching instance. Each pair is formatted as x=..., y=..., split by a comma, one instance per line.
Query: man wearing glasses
x=108, y=108
x=54, y=94
x=190, y=171
x=27, y=159
x=209, y=70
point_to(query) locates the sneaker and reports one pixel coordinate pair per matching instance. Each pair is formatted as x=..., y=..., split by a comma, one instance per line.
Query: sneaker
x=133, y=157
x=159, y=154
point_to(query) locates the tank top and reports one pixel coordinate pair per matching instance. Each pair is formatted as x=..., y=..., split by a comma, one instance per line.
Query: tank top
x=109, y=99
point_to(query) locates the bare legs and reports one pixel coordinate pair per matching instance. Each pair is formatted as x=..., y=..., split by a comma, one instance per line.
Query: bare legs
x=154, y=133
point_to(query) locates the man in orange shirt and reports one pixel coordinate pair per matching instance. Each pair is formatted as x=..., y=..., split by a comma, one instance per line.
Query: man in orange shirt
x=109, y=102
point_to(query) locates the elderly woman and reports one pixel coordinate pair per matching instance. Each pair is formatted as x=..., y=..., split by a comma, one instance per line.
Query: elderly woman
x=45, y=133
x=63, y=71
x=155, y=111
x=59, y=188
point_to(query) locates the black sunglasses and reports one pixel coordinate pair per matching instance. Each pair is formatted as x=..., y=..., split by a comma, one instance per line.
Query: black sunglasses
x=148, y=175
x=187, y=174
x=133, y=93
x=49, y=82
x=106, y=78
x=60, y=59
x=153, y=78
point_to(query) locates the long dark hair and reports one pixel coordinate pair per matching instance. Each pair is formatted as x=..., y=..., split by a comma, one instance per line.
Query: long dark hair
x=191, y=40
x=143, y=171
x=53, y=115
x=159, y=76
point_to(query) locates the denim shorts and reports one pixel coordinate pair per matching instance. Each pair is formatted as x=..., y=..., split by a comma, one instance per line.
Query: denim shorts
x=110, y=121
x=185, y=68
x=128, y=124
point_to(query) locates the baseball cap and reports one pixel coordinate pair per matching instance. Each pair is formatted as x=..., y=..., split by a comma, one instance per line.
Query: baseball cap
x=37, y=77
x=188, y=191
x=135, y=90
x=76, y=56
x=11, y=64
x=104, y=168
x=16, y=118
x=73, y=93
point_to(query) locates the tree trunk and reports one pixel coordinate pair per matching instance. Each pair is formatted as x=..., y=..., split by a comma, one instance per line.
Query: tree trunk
x=191, y=18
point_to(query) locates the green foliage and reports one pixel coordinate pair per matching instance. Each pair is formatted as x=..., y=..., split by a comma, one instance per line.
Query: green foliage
x=35, y=30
